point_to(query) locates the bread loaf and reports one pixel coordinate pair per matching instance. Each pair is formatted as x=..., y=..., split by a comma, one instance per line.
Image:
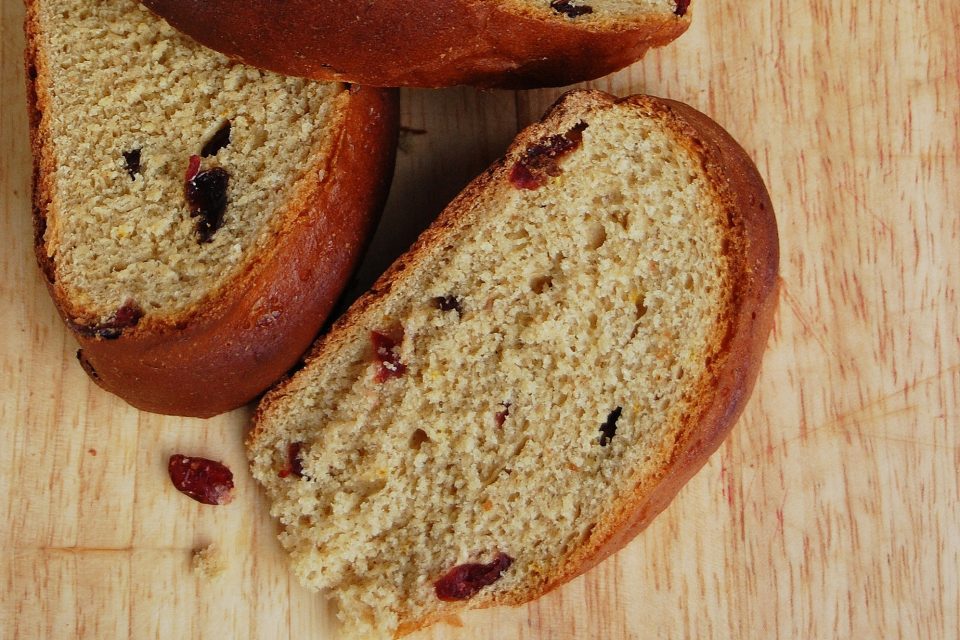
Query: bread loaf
x=489, y=43
x=196, y=218
x=526, y=388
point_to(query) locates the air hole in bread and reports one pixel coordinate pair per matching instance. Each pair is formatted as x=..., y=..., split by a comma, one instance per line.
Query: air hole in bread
x=418, y=438
x=446, y=303
x=641, y=307
x=541, y=283
x=596, y=235
x=217, y=141
x=366, y=489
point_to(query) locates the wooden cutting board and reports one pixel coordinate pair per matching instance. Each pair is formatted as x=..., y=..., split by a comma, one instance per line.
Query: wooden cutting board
x=832, y=512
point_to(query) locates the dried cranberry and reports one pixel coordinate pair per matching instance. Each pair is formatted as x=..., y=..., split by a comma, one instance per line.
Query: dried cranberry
x=217, y=141
x=204, y=480
x=570, y=10
x=609, y=428
x=126, y=316
x=501, y=416
x=193, y=168
x=682, y=5
x=294, y=463
x=447, y=303
x=464, y=581
x=384, y=349
x=541, y=159
x=132, y=160
x=206, y=193
x=522, y=178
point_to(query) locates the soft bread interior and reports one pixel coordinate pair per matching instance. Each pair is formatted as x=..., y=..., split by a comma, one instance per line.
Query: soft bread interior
x=604, y=291
x=113, y=79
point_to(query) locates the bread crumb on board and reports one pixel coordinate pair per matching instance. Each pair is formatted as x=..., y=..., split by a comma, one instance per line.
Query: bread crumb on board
x=209, y=562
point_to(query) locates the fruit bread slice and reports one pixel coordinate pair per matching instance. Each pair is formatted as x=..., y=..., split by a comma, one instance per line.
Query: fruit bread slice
x=506, y=43
x=195, y=218
x=527, y=387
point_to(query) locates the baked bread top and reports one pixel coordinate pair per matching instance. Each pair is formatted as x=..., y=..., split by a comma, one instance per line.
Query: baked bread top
x=490, y=43
x=536, y=378
x=167, y=177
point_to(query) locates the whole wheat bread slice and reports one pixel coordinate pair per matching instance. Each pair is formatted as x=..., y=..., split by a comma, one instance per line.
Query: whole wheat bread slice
x=528, y=386
x=195, y=218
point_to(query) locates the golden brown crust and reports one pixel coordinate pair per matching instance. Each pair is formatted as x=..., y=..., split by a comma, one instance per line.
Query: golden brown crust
x=427, y=44
x=754, y=259
x=42, y=160
x=245, y=336
x=753, y=255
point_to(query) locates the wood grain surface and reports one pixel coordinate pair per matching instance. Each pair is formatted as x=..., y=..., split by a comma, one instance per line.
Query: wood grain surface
x=832, y=512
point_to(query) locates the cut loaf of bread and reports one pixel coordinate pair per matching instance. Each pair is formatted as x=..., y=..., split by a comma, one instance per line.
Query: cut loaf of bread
x=196, y=218
x=527, y=387
x=431, y=43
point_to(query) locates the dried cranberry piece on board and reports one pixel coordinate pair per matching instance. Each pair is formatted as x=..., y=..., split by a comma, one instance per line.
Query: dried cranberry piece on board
x=204, y=480
x=682, y=6
x=464, y=581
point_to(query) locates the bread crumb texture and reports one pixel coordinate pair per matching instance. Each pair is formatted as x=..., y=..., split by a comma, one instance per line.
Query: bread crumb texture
x=209, y=562
x=553, y=346
x=116, y=80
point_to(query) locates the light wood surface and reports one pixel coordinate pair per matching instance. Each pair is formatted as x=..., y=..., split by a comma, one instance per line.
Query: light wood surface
x=832, y=512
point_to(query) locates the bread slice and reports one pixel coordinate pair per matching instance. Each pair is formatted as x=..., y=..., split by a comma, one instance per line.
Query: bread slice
x=431, y=43
x=191, y=296
x=527, y=387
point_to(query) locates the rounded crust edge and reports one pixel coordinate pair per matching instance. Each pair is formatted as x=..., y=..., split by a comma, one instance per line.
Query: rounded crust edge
x=740, y=351
x=428, y=44
x=754, y=299
x=249, y=333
